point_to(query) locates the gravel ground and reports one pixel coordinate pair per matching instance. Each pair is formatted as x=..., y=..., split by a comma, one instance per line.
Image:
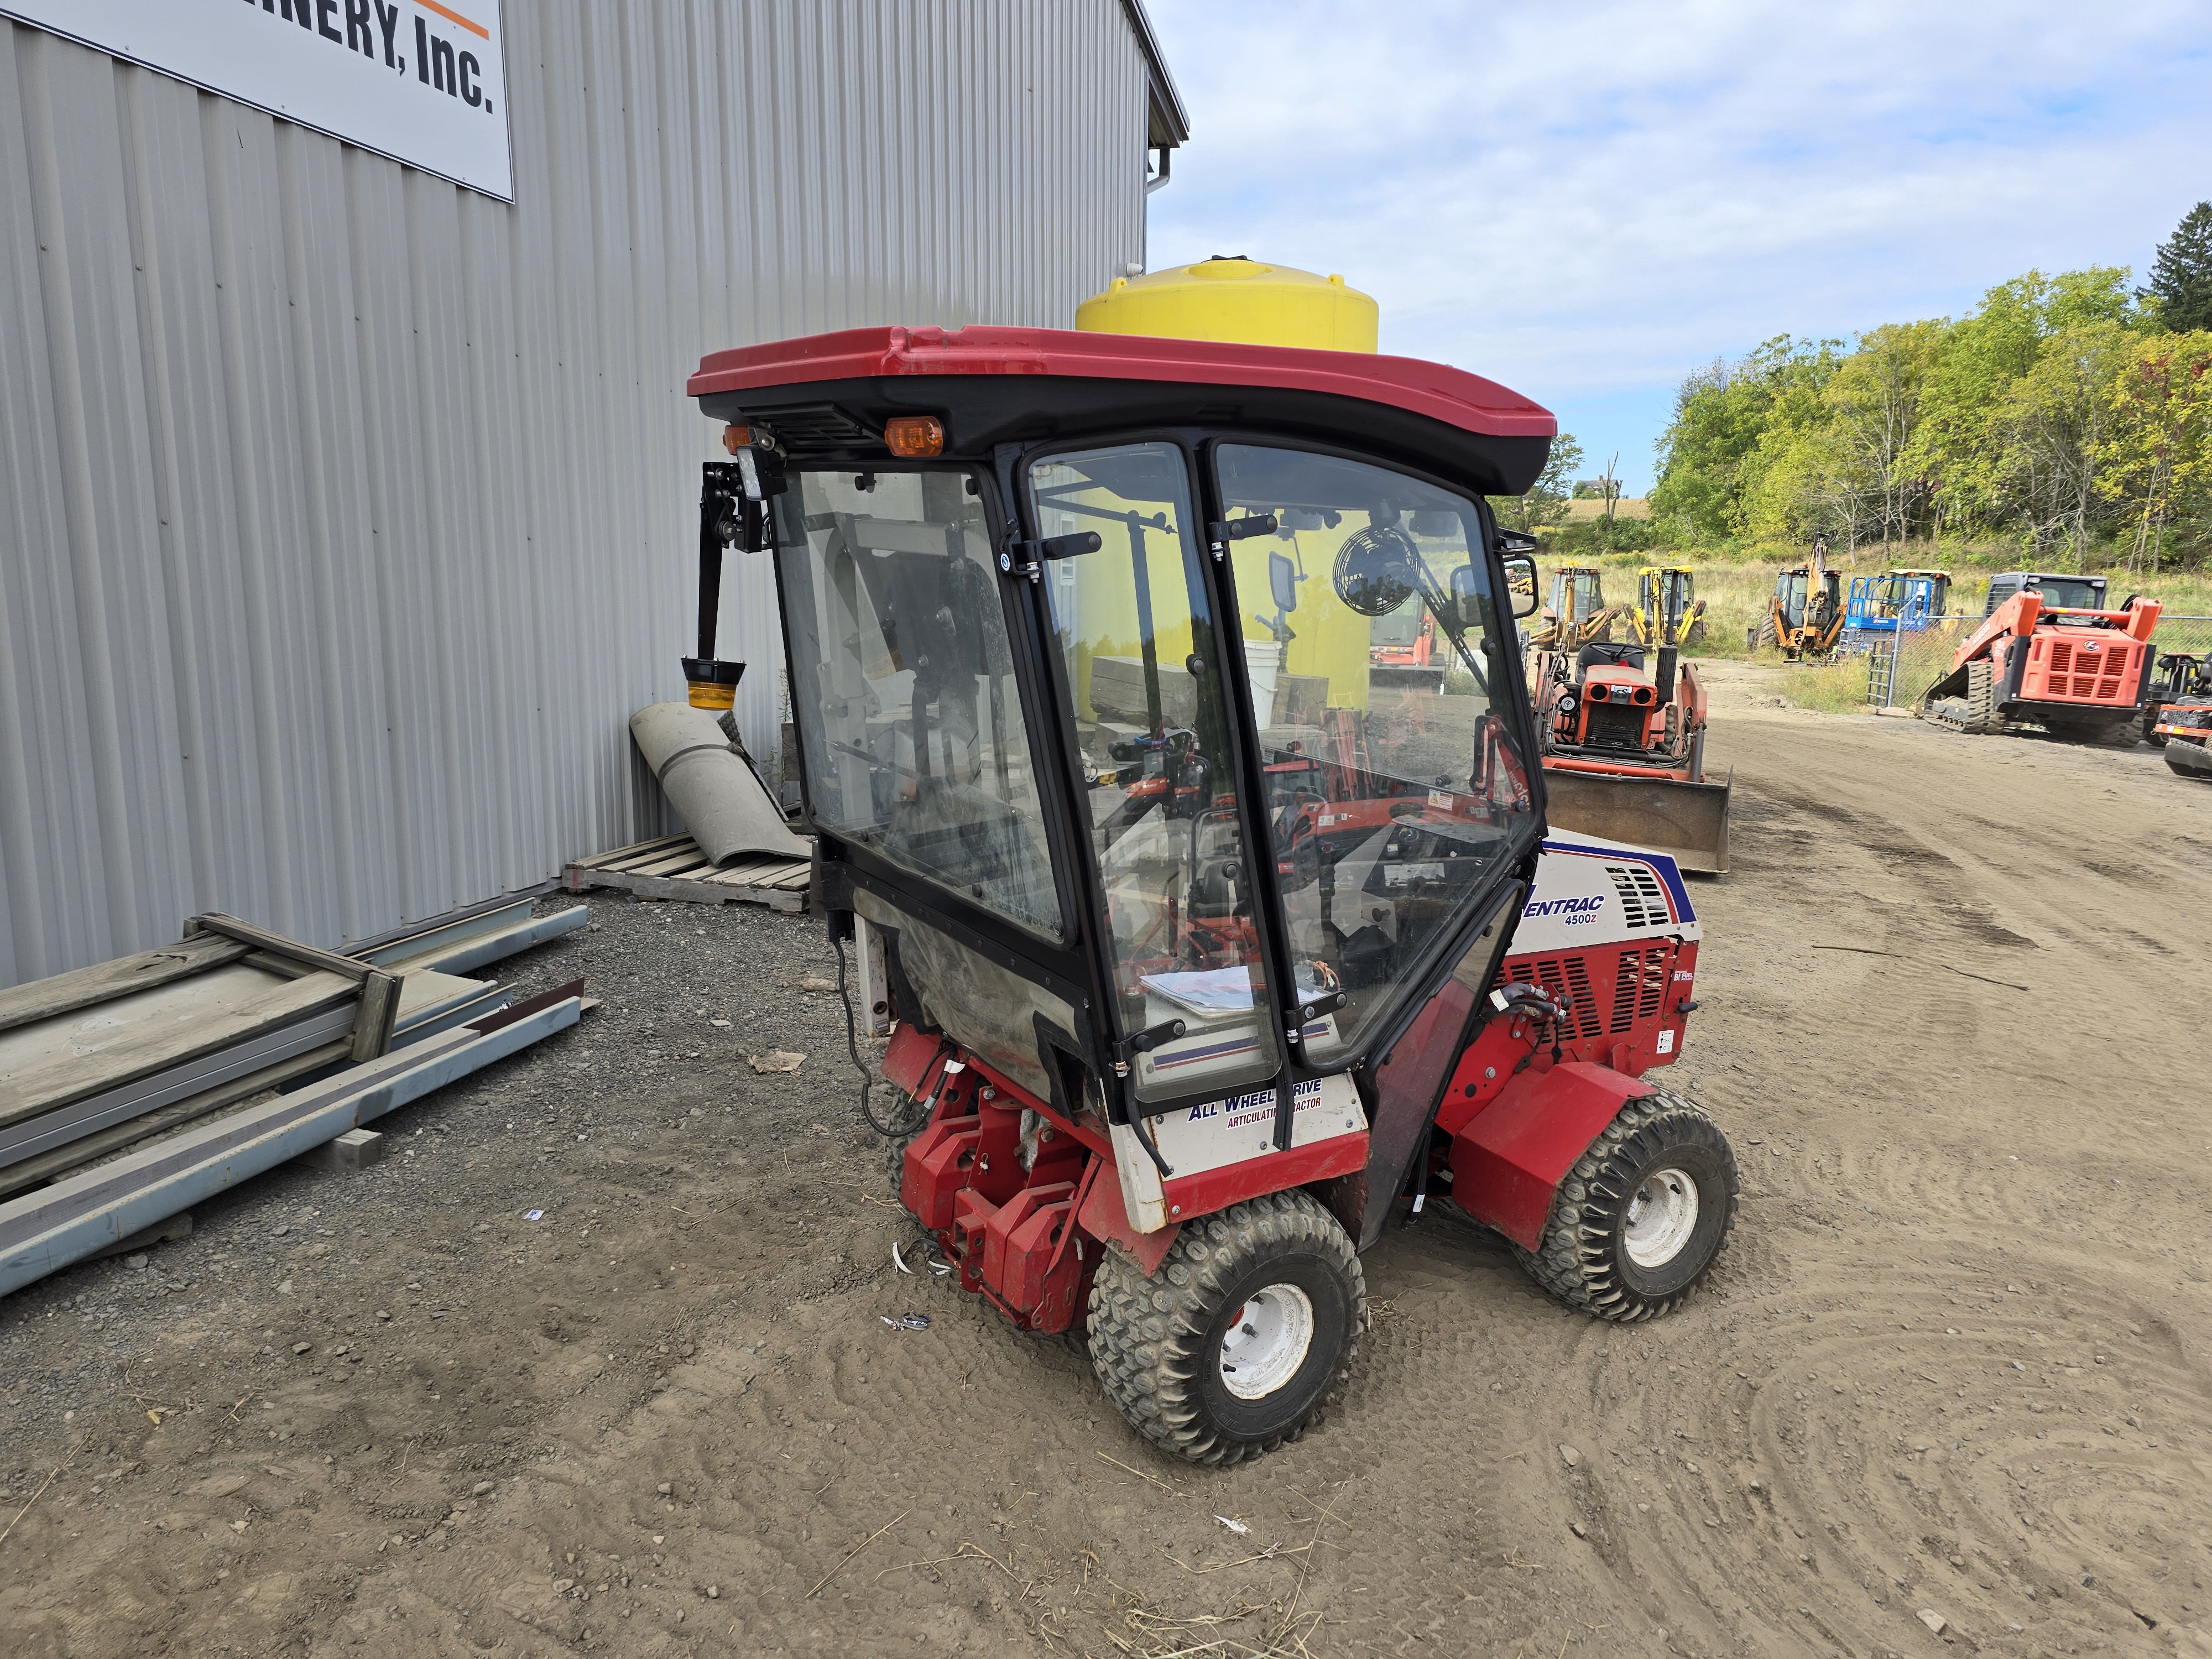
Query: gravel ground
x=1949, y=1372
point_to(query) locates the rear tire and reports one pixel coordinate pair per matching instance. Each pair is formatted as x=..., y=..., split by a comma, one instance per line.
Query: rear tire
x=1767, y=638
x=1642, y=1215
x=1239, y=1340
x=2150, y=735
x=895, y=1145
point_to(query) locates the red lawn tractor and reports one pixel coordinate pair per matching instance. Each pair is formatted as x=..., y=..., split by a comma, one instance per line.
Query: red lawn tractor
x=2049, y=654
x=1192, y=1003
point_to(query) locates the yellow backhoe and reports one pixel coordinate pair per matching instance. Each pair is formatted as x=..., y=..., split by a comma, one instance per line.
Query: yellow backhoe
x=1668, y=611
x=1805, y=617
x=1577, y=615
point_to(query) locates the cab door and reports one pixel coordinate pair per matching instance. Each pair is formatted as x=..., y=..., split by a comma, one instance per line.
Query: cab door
x=1136, y=652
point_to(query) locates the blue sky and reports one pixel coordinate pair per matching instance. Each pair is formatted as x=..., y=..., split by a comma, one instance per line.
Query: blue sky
x=1587, y=201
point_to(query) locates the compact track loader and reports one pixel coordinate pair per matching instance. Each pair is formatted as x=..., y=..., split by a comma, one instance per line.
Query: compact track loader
x=1621, y=731
x=1199, y=988
x=2049, y=654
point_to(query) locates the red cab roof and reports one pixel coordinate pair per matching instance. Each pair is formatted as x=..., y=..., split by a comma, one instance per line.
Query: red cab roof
x=1450, y=395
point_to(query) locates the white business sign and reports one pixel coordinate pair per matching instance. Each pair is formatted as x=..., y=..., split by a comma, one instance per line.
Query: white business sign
x=420, y=80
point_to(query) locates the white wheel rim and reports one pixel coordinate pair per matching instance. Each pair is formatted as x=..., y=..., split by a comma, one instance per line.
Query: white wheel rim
x=1661, y=1215
x=1268, y=1341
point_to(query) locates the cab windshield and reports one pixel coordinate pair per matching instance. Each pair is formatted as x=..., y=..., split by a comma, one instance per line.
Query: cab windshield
x=1394, y=787
x=901, y=684
x=2061, y=593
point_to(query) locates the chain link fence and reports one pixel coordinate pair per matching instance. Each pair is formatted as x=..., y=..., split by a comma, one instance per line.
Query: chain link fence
x=1901, y=667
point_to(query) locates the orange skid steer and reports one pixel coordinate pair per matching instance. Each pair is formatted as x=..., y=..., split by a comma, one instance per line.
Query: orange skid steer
x=2049, y=654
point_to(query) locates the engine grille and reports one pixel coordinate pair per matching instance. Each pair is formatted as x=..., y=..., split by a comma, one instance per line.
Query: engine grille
x=2100, y=676
x=1632, y=987
x=1642, y=900
x=1614, y=726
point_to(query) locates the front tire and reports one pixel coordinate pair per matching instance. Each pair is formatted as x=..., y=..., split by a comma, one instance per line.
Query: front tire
x=1232, y=1347
x=1642, y=1215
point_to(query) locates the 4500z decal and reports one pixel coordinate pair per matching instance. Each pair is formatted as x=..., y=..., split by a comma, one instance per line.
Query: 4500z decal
x=1570, y=911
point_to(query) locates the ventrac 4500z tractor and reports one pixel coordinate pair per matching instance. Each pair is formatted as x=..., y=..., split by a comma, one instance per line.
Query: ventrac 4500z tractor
x=1192, y=1000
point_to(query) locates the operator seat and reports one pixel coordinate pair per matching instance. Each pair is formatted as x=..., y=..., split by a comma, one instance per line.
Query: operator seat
x=1601, y=655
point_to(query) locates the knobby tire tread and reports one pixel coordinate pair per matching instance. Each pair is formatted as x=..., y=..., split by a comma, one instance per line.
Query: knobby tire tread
x=1574, y=1261
x=1145, y=1334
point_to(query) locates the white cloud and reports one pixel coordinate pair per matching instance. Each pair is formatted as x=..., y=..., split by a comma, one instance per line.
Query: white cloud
x=1584, y=201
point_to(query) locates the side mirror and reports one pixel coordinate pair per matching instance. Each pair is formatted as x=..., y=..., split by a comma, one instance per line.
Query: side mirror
x=1520, y=583
x=1283, y=582
x=1467, y=604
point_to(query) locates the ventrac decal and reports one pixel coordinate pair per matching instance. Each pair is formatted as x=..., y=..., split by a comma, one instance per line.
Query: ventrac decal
x=1568, y=910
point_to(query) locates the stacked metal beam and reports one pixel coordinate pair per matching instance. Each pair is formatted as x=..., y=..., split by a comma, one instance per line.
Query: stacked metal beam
x=134, y=1088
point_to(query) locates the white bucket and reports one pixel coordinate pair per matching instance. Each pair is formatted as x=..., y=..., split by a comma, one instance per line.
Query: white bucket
x=1263, y=661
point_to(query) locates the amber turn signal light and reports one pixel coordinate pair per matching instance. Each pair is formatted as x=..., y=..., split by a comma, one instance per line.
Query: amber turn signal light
x=735, y=438
x=713, y=684
x=915, y=437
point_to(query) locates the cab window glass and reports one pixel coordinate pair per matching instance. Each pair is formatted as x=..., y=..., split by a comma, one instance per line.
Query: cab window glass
x=1373, y=643
x=1140, y=658
x=902, y=684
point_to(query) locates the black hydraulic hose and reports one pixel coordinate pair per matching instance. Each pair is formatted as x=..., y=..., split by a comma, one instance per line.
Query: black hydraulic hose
x=853, y=1048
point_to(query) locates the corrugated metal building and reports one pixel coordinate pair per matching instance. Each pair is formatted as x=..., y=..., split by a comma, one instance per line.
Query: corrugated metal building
x=346, y=513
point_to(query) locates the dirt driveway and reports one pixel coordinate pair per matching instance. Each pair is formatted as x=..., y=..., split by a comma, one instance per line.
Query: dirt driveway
x=1956, y=1358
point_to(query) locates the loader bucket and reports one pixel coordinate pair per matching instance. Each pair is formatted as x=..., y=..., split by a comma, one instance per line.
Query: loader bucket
x=1687, y=821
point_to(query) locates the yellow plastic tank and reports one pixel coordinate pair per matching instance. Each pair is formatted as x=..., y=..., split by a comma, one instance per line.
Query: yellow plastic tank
x=1250, y=303
x=1237, y=300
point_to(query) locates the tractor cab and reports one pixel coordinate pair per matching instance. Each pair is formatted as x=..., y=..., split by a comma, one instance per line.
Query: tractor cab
x=2059, y=594
x=1140, y=861
x=1577, y=613
x=1894, y=599
x=1806, y=598
x=1188, y=910
x=1577, y=593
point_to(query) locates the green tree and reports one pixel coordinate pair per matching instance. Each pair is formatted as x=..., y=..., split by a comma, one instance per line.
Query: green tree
x=2181, y=273
x=1717, y=448
x=2055, y=427
x=1955, y=452
x=2158, y=461
x=1844, y=466
x=1545, y=502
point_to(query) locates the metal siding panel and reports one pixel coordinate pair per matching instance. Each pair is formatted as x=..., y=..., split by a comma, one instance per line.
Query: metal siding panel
x=349, y=514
